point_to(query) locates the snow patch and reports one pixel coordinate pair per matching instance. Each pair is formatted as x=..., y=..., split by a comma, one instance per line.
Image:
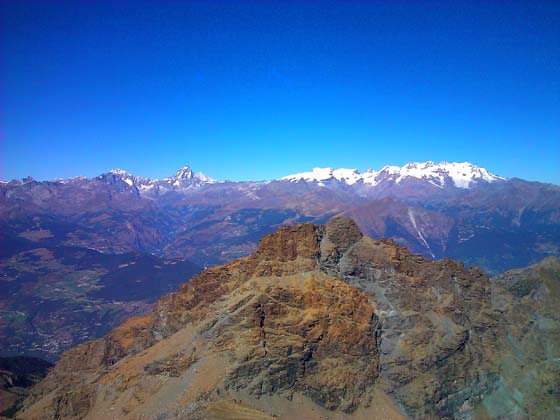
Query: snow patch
x=413, y=220
x=348, y=176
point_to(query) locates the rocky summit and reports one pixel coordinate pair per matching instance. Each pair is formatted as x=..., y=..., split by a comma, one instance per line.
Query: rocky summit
x=322, y=322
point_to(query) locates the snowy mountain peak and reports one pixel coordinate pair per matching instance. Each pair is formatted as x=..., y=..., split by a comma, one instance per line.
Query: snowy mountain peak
x=185, y=176
x=458, y=174
x=204, y=178
x=119, y=174
x=184, y=179
x=184, y=173
x=443, y=174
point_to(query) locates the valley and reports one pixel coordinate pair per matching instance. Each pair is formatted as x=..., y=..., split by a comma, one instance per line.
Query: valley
x=54, y=298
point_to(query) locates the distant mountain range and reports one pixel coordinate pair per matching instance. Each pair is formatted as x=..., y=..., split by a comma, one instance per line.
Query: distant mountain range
x=78, y=246
x=457, y=210
x=184, y=179
x=441, y=175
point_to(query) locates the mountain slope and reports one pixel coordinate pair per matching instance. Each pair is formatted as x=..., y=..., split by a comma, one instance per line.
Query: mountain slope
x=319, y=321
x=421, y=230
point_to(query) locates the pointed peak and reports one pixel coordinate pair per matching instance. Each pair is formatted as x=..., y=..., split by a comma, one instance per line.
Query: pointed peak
x=186, y=178
x=304, y=240
x=184, y=172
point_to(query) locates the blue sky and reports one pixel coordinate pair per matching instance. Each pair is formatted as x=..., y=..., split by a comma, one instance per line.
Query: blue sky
x=259, y=89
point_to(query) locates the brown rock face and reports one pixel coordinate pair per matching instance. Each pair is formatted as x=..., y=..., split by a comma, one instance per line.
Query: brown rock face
x=313, y=335
x=320, y=322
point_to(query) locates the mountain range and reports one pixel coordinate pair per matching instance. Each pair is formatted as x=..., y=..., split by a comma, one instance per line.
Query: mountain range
x=441, y=175
x=456, y=210
x=80, y=255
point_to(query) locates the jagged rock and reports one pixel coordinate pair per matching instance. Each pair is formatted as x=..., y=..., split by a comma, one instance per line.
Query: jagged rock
x=319, y=322
x=528, y=385
x=318, y=337
x=340, y=234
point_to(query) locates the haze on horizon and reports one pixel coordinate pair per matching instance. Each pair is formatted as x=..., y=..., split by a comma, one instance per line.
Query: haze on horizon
x=258, y=90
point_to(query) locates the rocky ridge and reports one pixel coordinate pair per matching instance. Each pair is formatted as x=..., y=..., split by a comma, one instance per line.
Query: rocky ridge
x=320, y=322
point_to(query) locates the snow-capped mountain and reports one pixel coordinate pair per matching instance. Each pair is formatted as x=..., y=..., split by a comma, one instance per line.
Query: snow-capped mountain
x=461, y=175
x=184, y=179
x=445, y=174
x=445, y=209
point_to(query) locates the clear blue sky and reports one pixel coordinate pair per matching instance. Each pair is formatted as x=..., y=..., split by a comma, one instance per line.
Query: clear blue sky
x=259, y=89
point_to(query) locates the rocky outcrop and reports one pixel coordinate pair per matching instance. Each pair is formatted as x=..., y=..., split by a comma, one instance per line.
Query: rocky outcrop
x=438, y=324
x=314, y=335
x=17, y=375
x=319, y=322
x=528, y=384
